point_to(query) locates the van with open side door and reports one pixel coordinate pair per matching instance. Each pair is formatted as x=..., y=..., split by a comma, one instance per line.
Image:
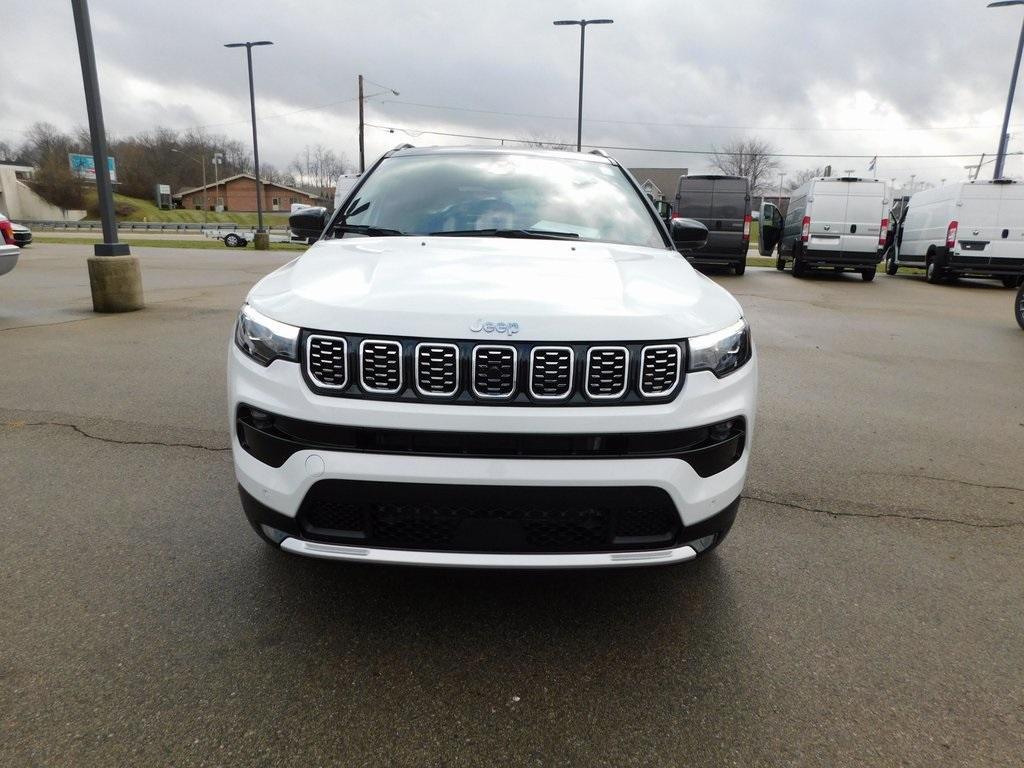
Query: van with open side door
x=970, y=228
x=722, y=204
x=834, y=223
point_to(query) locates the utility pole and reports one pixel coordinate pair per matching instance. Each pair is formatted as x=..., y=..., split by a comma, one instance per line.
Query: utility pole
x=583, y=23
x=115, y=277
x=362, y=154
x=781, y=177
x=262, y=240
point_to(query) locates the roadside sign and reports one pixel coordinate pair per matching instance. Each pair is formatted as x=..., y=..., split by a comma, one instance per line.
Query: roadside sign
x=84, y=167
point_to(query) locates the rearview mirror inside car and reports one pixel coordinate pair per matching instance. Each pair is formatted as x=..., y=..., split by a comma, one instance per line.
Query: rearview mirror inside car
x=687, y=234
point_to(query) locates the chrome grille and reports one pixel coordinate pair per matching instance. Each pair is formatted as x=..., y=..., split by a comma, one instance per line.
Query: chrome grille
x=380, y=366
x=494, y=371
x=551, y=372
x=607, y=372
x=437, y=369
x=659, y=370
x=327, y=361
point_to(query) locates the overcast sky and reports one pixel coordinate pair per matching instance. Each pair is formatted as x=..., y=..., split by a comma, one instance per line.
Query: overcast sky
x=813, y=77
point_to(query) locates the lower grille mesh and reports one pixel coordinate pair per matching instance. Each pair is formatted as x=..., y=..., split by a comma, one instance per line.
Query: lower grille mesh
x=489, y=518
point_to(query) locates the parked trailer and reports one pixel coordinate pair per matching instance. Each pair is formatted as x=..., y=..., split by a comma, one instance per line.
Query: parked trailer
x=966, y=229
x=239, y=238
x=837, y=223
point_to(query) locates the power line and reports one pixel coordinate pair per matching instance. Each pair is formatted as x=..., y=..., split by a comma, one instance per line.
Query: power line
x=825, y=156
x=685, y=125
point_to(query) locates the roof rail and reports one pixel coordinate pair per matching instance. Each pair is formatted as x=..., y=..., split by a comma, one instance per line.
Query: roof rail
x=600, y=152
x=403, y=146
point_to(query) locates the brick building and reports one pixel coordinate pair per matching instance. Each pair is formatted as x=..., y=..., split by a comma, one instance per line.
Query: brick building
x=238, y=193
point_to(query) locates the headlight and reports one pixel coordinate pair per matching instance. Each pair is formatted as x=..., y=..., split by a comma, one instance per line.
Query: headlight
x=721, y=352
x=265, y=340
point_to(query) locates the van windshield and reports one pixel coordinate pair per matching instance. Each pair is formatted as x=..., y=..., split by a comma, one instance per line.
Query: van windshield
x=491, y=194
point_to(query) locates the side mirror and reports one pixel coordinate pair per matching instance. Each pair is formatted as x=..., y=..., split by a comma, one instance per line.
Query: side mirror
x=309, y=222
x=687, y=234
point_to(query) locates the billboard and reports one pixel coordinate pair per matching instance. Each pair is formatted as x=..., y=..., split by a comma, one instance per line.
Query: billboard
x=84, y=167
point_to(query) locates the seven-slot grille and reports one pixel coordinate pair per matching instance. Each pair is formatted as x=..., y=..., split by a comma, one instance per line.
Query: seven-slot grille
x=659, y=370
x=512, y=373
x=437, y=369
x=551, y=372
x=494, y=371
x=327, y=361
x=380, y=366
x=607, y=372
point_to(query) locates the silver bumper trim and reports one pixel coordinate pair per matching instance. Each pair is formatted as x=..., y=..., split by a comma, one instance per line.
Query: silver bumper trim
x=479, y=560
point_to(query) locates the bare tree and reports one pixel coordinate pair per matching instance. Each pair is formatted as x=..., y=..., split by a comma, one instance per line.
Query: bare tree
x=319, y=168
x=753, y=158
x=543, y=142
x=799, y=178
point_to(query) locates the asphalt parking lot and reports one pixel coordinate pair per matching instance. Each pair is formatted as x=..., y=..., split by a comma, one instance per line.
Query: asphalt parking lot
x=866, y=609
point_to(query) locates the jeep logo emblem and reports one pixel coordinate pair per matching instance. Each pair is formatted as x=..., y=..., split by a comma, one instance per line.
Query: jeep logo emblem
x=489, y=326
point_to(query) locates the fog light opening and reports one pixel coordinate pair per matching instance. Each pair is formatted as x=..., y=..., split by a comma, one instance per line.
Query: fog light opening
x=273, y=534
x=699, y=545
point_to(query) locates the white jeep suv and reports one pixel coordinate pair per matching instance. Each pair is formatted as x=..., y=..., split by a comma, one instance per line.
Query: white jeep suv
x=493, y=358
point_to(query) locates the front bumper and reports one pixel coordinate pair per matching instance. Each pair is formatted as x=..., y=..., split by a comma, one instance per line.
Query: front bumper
x=279, y=389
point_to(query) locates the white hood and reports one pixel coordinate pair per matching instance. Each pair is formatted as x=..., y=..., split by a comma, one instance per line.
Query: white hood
x=438, y=287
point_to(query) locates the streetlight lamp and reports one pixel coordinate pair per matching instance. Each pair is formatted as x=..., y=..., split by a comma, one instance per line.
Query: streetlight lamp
x=261, y=241
x=583, y=23
x=202, y=162
x=1004, y=136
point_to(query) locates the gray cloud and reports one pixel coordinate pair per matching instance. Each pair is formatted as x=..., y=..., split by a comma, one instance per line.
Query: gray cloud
x=782, y=68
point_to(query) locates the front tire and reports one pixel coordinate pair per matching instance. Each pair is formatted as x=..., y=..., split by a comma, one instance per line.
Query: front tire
x=1010, y=282
x=740, y=268
x=780, y=263
x=891, y=267
x=1019, y=305
x=867, y=275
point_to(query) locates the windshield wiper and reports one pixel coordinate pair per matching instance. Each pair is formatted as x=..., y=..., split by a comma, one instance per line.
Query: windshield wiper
x=364, y=229
x=540, y=234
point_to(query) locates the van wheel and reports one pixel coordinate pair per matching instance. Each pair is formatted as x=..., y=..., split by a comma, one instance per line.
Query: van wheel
x=799, y=268
x=780, y=263
x=867, y=275
x=934, y=273
x=1020, y=307
x=891, y=267
x=1010, y=282
x=740, y=268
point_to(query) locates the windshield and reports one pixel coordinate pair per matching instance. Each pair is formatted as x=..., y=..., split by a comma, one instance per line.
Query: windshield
x=497, y=194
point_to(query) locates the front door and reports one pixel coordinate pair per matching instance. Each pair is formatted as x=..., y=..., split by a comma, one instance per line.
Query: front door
x=771, y=229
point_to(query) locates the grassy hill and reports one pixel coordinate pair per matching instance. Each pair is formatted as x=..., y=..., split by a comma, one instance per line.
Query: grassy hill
x=135, y=209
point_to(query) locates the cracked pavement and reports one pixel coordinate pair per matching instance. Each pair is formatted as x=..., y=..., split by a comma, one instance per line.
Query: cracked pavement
x=865, y=610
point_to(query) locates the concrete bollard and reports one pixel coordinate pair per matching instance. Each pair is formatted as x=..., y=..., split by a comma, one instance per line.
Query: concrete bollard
x=116, y=283
x=261, y=242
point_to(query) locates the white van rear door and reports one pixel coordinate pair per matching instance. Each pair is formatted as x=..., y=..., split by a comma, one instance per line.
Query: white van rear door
x=1008, y=235
x=865, y=204
x=827, y=210
x=977, y=217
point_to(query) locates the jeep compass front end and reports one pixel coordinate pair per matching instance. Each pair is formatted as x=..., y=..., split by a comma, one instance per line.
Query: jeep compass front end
x=492, y=358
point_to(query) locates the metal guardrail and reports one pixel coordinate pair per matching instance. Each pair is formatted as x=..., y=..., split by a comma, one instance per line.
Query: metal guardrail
x=141, y=226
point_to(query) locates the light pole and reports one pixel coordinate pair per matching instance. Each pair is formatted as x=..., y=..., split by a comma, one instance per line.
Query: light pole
x=216, y=160
x=115, y=277
x=583, y=23
x=262, y=240
x=1004, y=136
x=781, y=177
x=202, y=161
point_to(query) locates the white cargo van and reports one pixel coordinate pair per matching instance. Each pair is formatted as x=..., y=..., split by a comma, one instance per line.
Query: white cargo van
x=971, y=228
x=838, y=223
